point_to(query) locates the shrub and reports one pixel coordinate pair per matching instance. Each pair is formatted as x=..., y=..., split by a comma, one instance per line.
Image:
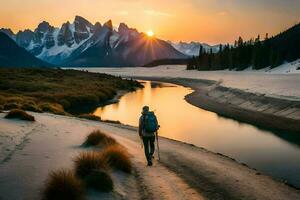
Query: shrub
x=2, y=99
x=111, y=121
x=87, y=162
x=90, y=117
x=52, y=108
x=99, y=180
x=97, y=137
x=30, y=106
x=19, y=114
x=9, y=106
x=62, y=185
x=117, y=157
x=72, y=90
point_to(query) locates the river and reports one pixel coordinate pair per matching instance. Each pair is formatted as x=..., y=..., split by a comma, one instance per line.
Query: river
x=271, y=153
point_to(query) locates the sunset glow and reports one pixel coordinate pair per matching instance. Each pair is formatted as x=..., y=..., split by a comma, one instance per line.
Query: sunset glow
x=150, y=33
x=176, y=20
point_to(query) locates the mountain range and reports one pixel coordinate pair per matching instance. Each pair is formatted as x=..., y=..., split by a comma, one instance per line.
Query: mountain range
x=192, y=48
x=82, y=43
x=12, y=55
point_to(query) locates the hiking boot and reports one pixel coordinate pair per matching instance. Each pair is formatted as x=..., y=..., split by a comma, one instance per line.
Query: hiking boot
x=149, y=163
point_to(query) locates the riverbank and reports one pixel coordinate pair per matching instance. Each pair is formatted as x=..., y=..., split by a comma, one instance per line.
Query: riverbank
x=269, y=101
x=66, y=92
x=184, y=172
x=271, y=113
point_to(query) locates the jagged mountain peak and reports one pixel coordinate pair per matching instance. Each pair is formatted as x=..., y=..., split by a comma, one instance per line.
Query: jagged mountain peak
x=109, y=24
x=7, y=31
x=123, y=26
x=43, y=27
x=80, y=19
x=81, y=42
x=97, y=25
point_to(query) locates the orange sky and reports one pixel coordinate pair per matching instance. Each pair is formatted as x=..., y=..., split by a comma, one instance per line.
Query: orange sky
x=211, y=21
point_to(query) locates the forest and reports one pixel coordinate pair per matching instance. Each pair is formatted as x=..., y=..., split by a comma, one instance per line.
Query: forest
x=257, y=53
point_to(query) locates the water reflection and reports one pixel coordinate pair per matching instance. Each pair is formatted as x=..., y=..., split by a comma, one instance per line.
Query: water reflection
x=179, y=120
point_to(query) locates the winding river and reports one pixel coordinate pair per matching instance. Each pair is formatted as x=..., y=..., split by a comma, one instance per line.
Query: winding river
x=272, y=153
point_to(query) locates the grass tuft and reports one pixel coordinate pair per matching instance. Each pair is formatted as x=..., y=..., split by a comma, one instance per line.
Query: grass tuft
x=30, y=106
x=11, y=105
x=111, y=121
x=117, y=157
x=99, y=180
x=98, y=138
x=90, y=117
x=52, y=108
x=19, y=114
x=87, y=162
x=62, y=185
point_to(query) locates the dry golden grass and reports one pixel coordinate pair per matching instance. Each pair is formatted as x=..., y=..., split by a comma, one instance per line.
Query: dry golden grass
x=90, y=117
x=117, y=157
x=31, y=106
x=12, y=105
x=98, y=138
x=19, y=114
x=87, y=162
x=99, y=180
x=63, y=185
x=63, y=91
x=52, y=108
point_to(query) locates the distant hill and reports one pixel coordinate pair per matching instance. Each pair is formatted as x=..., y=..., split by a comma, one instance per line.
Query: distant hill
x=255, y=53
x=12, y=55
x=84, y=44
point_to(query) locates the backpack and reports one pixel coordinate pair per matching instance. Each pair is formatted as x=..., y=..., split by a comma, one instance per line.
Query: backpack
x=150, y=122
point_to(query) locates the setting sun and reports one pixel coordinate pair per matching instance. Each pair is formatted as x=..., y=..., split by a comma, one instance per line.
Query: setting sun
x=150, y=33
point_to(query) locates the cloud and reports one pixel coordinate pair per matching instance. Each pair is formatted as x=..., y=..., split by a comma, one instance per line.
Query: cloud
x=157, y=13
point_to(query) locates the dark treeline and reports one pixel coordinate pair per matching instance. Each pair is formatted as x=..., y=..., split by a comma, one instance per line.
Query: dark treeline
x=169, y=61
x=258, y=53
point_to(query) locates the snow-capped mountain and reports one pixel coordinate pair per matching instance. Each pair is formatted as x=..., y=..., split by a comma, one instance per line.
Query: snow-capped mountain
x=52, y=44
x=83, y=44
x=192, y=48
x=12, y=55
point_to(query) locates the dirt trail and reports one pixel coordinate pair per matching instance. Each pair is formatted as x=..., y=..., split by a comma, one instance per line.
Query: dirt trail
x=212, y=175
x=185, y=171
x=158, y=182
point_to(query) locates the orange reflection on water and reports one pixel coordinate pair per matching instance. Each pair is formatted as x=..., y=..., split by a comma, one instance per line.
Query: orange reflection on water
x=180, y=120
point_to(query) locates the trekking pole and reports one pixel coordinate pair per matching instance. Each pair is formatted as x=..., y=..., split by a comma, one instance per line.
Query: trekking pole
x=157, y=145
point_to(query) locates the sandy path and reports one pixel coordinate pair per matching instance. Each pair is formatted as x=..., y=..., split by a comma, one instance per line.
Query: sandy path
x=158, y=182
x=53, y=141
x=215, y=176
x=185, y=172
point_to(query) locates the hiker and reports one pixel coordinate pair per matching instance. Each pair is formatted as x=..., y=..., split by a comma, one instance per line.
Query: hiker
x=148, y=126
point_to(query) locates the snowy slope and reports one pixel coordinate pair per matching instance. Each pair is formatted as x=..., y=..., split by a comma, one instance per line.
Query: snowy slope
x=192, y=48
x=282, y=82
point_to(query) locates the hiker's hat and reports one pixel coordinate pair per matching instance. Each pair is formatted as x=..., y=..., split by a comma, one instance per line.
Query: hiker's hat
x=145, y=109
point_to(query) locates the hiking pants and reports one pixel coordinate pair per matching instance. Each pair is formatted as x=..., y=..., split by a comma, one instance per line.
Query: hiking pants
x=149, y=146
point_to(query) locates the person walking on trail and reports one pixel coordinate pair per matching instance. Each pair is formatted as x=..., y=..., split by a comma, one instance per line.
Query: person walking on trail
x=148, y=126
